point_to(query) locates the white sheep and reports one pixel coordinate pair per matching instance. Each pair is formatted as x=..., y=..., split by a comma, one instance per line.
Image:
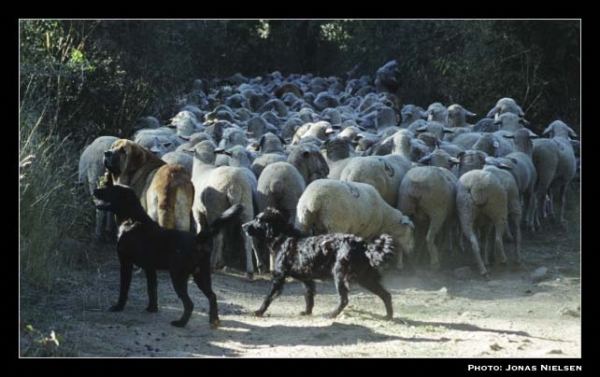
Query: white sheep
x=555, y=164
x=330, y=206
x=382, y=172
x=91, y=168
x=427, y=195
x=216, y=189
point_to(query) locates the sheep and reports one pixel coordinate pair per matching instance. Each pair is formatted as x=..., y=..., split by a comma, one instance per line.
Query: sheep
x=309, y=161
x=330, y=206
x=256, y=127
x=467, y=140
x=427, y=194
x=457, y=116
x=493, y=145
x=436, y=128
x=386, y=78
x=271, y=143
x=280, y=186
x=318, y=130
x=555, y=164
x=337, y=156
x=481, y=201
x=438, y=113
x=410, y=114
x=233, y=136
x=505, y=105
x=91, y=169
x=148, y=122
x=439, y=158
x=524, y=171
x=181, y=158
x=513, y=209
x=386, y=117
x=193, y=140
x=384, y=173
x=486, y=125
x=275, y=105
x=216, y=189
x=509, y=122
x=159, y=145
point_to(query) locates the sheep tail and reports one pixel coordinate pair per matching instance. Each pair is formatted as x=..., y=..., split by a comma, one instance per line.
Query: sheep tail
x=380, y=250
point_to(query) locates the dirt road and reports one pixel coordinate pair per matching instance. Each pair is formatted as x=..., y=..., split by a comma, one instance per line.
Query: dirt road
x=530, y=311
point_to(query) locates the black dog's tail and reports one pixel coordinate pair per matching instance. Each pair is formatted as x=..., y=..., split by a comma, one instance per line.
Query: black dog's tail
x=380, y=250
x=228, y=217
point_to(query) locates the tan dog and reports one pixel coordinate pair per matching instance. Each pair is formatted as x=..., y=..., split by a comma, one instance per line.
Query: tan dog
x=165, y=190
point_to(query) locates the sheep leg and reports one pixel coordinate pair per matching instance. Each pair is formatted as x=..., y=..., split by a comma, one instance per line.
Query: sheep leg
x=466, y=223
x=499, y=245
x=527, y=211
x=217, y=253
x=514, y=223
x=562, y=194
x=248, y=250
x=99, y=224
x=434, y=227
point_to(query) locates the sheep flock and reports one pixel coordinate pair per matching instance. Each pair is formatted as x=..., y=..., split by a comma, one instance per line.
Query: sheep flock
x=345, y=154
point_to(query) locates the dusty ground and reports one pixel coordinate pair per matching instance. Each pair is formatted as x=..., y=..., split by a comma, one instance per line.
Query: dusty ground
x=437, y=314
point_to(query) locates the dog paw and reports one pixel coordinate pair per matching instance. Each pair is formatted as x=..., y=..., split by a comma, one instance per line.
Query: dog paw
x=331, y=315
x=388, y=317
x=250, y=276
x=116, y=308
x=215, y=324
x=258, y=313
x=305, y=313
x=152, y=309
x=178, y=323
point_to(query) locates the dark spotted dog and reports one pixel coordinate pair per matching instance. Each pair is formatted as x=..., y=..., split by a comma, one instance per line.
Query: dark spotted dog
x=343, y=256
x=148, y=245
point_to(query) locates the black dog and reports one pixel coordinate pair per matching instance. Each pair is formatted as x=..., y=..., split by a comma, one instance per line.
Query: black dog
x=146, y=244
x=344, y=256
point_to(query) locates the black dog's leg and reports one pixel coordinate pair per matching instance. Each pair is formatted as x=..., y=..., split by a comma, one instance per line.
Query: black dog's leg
x=151, y=282
x=276, y=289
x=342, y=289
x=179, y=281
x=370, y=281
x=203, y=280
x=125, y=275
x=309, y=296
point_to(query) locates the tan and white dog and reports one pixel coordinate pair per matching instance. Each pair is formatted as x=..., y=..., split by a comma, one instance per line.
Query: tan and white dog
x=165, y=190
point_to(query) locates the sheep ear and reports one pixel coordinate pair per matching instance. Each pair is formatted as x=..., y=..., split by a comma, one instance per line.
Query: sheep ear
x=282, y=140
x=359, y=136
x=524, y=121
x=493, y=111
x=513, y=160
x=406, y=221
x=509, y=136
x=186, y=138
x=496, y=144
x=460, y=154
x=491, y=161
x=425, y=160
x=423, y=114
x=329, y=130
x=469, y=113
x=571, y=132
x=497, y=122
x=260, y=143
x=532, y=135
x=454, y=161
x=447, y=130
x=503, y=166
x=548, y=130
x=422, y=129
